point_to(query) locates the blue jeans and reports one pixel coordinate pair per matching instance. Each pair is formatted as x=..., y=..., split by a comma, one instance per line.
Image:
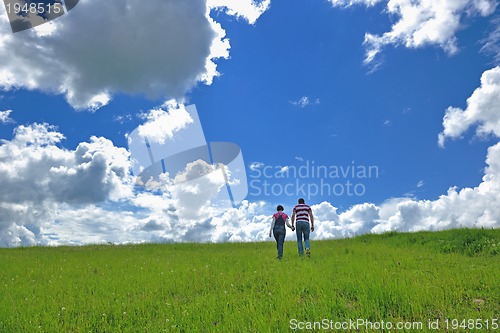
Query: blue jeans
x=303, y=229
x=279, y=235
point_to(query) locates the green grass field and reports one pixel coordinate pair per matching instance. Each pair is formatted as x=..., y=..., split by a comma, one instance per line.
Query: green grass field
x=443, y=277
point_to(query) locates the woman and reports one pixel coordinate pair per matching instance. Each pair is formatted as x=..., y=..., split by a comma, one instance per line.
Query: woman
x=278, y=229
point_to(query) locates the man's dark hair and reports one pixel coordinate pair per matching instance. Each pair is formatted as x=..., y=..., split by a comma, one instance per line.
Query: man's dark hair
x=301, y=201
x=280, y=208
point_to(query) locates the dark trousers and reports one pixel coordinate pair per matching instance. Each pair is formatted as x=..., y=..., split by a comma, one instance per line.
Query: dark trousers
x=279, y=235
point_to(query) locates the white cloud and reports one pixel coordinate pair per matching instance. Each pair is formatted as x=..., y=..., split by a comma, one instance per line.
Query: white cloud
x=194, y=189
x=256, y=165
x=470, y=207
x=421, y=23
x=305, y=101
x=360, y=219
x=5, y=117
x=326, y=212
x=91, y=224
x=52, y=195
x=250, y=10
x=160, y=49
x=98, y=225
x=218, y=50
x=248, y=222
x=284, y=169
x=482, y=109
x=37, y=176
x=348, y=3
x=162, y=124
x=15, y=235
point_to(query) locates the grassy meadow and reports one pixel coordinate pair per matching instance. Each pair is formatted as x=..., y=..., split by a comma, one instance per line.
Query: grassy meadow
x=439, y=278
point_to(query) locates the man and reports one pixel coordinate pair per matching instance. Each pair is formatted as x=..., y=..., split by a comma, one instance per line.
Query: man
x=303, y=214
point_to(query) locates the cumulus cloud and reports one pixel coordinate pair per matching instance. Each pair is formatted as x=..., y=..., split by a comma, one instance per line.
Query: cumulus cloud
x=52, y=195
x=177, y=210
x=163, y=122
x=91, y=224
x=16, y=235
x=469, y=207
x=249, y=10
x=160, y=49
x=482, y=109
x=247, y=222
x=5, y=117
x=195, y=188
x=359, y=219
x=420, y=23
x=153, y=217
x=37, y=176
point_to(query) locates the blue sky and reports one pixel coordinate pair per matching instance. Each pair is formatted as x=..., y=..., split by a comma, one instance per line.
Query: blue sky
x=294, y=86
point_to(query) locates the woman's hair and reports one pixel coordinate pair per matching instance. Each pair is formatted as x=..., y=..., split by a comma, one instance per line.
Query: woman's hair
x=280, y=208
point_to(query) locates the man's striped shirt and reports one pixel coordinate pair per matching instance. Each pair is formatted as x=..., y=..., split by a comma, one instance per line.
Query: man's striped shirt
x=302, y=212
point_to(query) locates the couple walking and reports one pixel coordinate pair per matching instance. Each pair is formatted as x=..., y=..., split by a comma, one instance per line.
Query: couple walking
x=302, y=214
